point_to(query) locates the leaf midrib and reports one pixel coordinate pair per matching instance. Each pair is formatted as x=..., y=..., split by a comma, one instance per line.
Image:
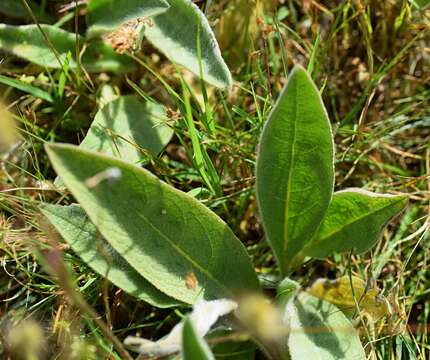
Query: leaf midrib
x=184, y=253
x=290, y=173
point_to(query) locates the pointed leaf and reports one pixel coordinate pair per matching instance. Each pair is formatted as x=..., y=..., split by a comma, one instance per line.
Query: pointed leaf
x=107, y=15
x=175, y=33
x=126, y=126
x=194, y=347
x=354, y=221
x=27, y=42
x=21, y=85
x=81, y=234
x=295, y=168
x=171, y=239
x=319, y=330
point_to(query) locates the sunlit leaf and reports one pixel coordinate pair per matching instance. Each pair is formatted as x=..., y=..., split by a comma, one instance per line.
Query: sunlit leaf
x=81, y=234
x=319, y=330
x=295, y=168
x=354, y=221
x=107, y=15
x=126, y=127
x=27, y=42
x=166, y=235
x=176, y=32
x=27, y=88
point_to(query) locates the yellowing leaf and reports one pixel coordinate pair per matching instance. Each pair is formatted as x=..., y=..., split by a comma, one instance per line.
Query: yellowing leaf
x=237, y=29
x=340, y=293
x=8, y=132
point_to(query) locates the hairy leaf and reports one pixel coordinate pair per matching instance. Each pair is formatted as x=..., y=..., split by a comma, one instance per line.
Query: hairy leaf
x=171, y=239
x=354, y=221
x=27, y=42
x=176, y=32
x=107, y=15
x=194, y=347
x=319, y=330
x=81, y=234
x=295, y=168
x=126, y=126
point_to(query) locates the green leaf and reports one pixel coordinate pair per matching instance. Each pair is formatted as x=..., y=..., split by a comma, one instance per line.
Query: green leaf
x=295, y=168
x=354, y=221
x=27, y=42
x=193, y=345
x=126, y=126
x=176, y=33
x=32, y=90
x=171, y=239
x=319, y=330
x=107, y=15
x=81, y=234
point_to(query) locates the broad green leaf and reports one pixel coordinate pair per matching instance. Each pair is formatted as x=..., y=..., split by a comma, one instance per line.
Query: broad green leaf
x=339, y=292
x=107, y=15
x=295, y=168
x=176, y=32
x=204, y=316
x=81, y=234
x=30, y=89
x=319, y=330
x=27, y=42
x=171, y=239
x=194, y=347
x=354, y=221
x=127, y=126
